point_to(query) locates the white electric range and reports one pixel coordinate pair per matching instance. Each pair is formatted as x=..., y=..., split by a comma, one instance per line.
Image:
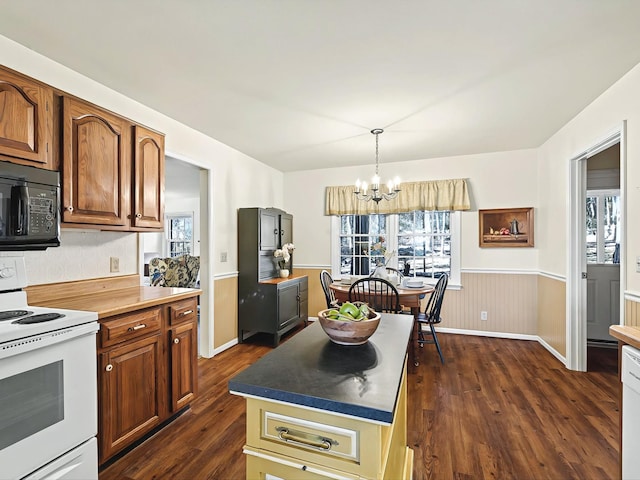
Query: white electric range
x=48, y=385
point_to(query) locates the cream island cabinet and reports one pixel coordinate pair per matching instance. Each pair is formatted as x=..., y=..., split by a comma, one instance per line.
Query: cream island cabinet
x=318, y=410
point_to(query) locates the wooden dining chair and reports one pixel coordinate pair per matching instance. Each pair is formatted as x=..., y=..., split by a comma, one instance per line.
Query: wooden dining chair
x=378, y=293
x=326, y=279
x=431, y=317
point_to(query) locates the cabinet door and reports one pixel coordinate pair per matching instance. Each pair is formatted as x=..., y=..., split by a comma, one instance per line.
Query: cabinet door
x=288, y=303
x=286, y=228
x=269, y=230
x=184, y=350
x=148, y=185
x=131, y=400
x=96, y=165
x=26, y=120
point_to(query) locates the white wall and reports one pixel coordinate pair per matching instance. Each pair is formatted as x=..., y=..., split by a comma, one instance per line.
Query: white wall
x=239, y=181
x=607, y=113
x=83, y=254
x=496, y=180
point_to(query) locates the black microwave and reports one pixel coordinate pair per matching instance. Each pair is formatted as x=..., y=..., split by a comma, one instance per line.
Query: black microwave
x=29, y=207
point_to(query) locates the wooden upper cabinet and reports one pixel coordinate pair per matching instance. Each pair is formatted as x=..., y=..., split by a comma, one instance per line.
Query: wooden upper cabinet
x=96, y=165
x=26, y=120
x=148, y=185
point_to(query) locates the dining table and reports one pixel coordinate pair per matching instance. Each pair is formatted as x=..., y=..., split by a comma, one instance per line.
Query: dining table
x=410, y=297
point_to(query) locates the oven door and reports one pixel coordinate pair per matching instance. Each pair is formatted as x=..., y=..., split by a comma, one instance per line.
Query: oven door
x=48, y=398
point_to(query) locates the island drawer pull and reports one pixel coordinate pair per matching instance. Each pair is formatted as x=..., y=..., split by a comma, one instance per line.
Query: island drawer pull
x=305, y=439
x=186, y=312
x=137, y=327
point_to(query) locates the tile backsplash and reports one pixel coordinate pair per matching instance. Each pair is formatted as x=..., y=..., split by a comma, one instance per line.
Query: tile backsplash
x=83, y=254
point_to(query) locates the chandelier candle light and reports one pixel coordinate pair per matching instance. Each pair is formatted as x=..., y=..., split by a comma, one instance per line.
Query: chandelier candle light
x=376, y=194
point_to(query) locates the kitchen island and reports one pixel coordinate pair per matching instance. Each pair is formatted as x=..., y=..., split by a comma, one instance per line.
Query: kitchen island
x=316, y=409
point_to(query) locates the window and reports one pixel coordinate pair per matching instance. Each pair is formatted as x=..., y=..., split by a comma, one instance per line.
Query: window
x=602, y=226
x=363, y=241
x=424, y=243
x=179, y=234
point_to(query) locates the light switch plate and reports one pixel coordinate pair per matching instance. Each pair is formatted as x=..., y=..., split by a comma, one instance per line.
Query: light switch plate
x=638, y=264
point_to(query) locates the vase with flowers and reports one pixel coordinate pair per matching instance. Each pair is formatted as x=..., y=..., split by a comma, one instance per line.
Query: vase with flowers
x=379, y=249
x=284, y=254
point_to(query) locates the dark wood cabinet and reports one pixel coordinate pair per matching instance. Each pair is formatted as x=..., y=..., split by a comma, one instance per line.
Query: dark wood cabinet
x=147, y=362
x=96, y=165
x=131, y=399
x=26, y=121
x=267, y=303
x=183, y=338
x=148, y=185
x=112, y=170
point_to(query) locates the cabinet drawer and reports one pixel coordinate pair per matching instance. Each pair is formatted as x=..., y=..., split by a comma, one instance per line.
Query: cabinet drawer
x=313, y=436
x=182, y=311
x=130, y=326
x=264, y=465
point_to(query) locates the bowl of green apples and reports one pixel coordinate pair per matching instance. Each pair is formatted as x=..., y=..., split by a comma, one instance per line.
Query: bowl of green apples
x=350, y=323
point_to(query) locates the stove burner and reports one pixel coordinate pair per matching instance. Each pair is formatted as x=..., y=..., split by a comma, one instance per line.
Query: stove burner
x=11, y=314
x=43, y=317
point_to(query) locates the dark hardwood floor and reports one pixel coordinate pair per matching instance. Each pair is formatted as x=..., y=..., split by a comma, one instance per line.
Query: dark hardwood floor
x=498, y=408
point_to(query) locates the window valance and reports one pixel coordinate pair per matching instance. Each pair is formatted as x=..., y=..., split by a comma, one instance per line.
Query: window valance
x=429, y=195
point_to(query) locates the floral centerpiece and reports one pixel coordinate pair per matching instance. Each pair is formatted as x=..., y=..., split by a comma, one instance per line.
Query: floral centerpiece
x=285, y=254
x=379, y=248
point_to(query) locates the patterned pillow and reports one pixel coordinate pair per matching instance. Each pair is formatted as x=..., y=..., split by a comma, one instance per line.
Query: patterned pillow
x=179, y=271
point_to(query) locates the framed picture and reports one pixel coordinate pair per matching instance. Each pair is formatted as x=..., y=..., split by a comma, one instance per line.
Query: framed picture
x=506, y=227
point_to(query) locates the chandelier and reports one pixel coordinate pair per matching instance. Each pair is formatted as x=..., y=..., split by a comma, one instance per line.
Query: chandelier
x=375, y=193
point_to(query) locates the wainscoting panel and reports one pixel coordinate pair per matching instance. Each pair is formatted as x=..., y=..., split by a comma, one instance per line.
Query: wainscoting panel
x=552, y=326
x=317, y=301
x=510, y=301
x=632, y=313
x=225, y=310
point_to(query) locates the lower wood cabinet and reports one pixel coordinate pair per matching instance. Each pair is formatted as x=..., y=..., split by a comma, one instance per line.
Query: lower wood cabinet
x=184, y=349
x=147, y=371
x=131, y=402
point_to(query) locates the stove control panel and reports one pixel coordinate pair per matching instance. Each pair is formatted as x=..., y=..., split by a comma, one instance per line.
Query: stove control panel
x=12, y=273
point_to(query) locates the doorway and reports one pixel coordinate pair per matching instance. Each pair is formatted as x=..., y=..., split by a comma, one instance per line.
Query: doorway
x=187, y=212
x=596, y=247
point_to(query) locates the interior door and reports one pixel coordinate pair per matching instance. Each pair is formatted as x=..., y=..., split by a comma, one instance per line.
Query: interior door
x=603, y=263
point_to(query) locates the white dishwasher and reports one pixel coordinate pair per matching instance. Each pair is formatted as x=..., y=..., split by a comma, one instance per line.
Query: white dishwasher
x=630, y=413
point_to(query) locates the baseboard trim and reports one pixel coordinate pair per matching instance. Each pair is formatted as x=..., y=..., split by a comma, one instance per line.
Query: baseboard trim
x=455, y=331
x=484, y=333
x=512, y=336
x=224, y=347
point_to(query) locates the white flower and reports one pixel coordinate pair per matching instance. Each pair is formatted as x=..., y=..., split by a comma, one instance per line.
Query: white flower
x=284, y=252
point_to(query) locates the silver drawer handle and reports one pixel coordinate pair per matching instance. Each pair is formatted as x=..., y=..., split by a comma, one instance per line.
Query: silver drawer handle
x=186, y=312
x=305, y=439
x=137, y=327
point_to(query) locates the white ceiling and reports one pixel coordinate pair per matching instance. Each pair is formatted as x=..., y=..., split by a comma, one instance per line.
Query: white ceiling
x=299, y=84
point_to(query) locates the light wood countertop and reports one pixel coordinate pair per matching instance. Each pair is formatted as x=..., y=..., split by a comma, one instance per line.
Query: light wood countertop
x=115, y=302
x=629, y=335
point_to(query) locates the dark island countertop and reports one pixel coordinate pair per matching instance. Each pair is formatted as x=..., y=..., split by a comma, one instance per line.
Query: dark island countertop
x=311, y=371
